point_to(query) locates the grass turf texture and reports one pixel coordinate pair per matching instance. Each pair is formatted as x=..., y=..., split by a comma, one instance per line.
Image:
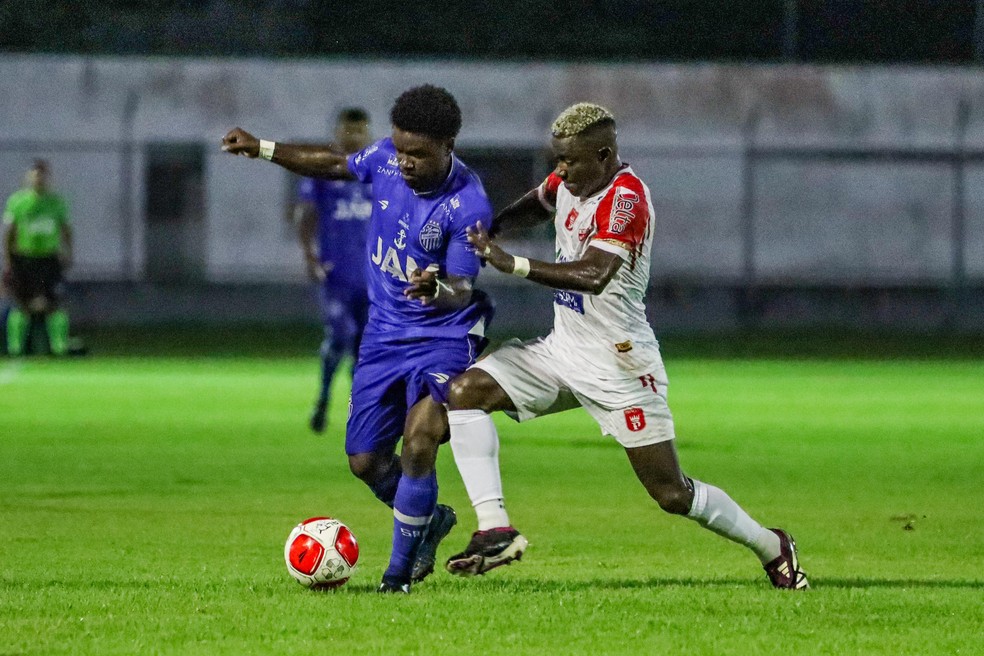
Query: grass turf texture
x=145, y=503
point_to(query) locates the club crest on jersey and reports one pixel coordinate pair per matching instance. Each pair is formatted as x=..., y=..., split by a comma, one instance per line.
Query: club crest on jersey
x=623, y=209
x=635, y=419
x=431, y=236
x=571, y=218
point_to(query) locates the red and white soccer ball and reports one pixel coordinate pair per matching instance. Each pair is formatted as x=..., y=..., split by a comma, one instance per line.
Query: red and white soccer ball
x=321, y=553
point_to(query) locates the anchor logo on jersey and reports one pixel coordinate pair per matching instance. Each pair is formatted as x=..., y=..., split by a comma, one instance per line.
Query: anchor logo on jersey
x=401, y=239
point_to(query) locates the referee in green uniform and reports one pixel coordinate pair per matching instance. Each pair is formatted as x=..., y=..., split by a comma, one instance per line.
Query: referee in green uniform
x=38, y=246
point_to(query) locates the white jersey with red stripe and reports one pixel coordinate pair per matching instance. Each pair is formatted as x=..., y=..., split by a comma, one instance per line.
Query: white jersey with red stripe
x=610, y=329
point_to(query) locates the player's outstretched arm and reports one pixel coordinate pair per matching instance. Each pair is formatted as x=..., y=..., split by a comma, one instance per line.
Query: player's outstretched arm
x=311, y=161
x=591, y=274
x=525, y=212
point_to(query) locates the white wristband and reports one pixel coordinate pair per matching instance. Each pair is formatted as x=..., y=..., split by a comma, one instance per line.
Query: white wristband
x=266, y=149
x=521, y=266
x=444, y=288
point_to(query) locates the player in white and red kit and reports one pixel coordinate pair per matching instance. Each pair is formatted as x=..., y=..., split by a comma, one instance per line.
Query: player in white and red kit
x=602, y=353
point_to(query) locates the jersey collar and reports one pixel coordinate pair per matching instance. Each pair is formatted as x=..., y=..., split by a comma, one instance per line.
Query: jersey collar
x=608, y=185
x=455, y=165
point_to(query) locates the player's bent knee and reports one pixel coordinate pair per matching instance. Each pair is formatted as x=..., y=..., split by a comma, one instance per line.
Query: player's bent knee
x=364, y=466
x=460, y=395
x=673, y=499
x=475, y=390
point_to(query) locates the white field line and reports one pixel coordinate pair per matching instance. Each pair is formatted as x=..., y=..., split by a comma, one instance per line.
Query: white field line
x=9, y=372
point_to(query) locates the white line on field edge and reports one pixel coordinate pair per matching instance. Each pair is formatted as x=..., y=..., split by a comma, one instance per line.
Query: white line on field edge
x=9, y=371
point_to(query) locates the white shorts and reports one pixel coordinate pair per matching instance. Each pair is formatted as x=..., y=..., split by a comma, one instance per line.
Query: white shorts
x=540, y=380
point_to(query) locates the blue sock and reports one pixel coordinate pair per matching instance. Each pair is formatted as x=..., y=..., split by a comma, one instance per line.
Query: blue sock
x=415, y=501
x=331, y=357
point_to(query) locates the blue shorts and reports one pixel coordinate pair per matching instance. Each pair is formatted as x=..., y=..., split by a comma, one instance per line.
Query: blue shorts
x=392, y=377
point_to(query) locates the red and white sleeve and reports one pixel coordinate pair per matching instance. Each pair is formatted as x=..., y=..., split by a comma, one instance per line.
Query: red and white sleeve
x=622, y=218
x=547, y=192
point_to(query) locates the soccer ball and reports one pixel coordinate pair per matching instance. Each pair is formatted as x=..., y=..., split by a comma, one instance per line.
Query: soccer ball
x=321, y=553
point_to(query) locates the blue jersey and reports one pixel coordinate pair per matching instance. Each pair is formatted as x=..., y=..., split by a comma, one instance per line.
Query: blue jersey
x=408, y=231
x=343, y=208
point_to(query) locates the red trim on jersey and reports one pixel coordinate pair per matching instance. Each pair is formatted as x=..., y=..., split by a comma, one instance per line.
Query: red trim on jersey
x=623, y=214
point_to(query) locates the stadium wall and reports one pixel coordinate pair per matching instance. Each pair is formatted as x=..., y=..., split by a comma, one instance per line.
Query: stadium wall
x=764, y=176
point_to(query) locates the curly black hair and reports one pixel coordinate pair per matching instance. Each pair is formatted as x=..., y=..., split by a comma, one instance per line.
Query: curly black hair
x=428, y=110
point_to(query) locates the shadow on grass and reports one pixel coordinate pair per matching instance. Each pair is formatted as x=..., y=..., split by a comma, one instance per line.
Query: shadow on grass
x=503, y=586
x=657, y=583
x=897, y=583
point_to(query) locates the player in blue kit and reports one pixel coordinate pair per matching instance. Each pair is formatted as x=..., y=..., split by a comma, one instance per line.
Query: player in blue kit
x=426, y=322
x=332, y=215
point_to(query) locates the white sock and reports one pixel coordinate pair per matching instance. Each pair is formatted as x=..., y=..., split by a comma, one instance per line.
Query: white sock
x=475, y=445
x=716, y=511
x=491, y=514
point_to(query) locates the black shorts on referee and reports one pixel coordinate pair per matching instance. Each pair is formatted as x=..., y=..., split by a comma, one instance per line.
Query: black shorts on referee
x=36, y=276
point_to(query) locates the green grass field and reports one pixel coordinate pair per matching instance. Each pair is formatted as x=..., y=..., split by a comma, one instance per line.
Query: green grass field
x=146, y=501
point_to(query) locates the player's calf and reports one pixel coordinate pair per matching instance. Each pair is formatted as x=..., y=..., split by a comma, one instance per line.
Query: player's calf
x=18, y=325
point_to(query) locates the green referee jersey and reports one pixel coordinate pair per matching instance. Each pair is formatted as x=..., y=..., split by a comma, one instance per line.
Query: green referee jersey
x=38, y=219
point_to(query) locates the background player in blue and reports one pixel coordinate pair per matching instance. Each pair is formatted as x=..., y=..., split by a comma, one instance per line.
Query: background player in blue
x=332, y=217
x=426, y=322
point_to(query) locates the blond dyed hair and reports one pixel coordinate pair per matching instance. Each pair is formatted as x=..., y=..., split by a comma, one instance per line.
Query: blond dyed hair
x=579, y=117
